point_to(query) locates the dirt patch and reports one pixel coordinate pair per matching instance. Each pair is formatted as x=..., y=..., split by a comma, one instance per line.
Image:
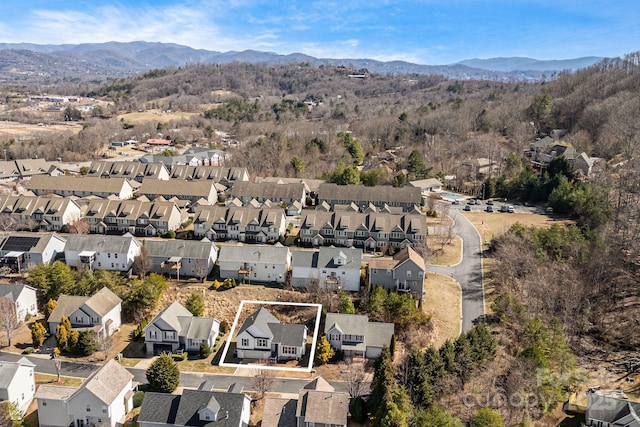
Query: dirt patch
x=155, y=116
x=497, y=223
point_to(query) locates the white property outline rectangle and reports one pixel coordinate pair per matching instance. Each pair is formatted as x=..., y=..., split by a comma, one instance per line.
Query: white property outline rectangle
x=275, y=368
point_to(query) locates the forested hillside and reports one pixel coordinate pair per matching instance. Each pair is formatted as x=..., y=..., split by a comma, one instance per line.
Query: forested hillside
x=582, y=282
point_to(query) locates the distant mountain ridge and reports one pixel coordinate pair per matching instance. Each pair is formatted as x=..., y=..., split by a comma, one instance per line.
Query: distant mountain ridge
x=26, y=61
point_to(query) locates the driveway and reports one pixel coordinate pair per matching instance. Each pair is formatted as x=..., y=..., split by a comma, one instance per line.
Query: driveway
x=468, y=272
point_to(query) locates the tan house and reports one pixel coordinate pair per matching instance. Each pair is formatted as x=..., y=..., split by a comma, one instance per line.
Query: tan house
x=131, y=170
x=39, y=213
x=132, y=216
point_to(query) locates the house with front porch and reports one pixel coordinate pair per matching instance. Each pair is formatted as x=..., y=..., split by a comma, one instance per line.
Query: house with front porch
x=354, y=335
x=404, y=272
x=102, y=312
x=329, y=267
x=263, y=336
x=176, y=328
x=103, y=399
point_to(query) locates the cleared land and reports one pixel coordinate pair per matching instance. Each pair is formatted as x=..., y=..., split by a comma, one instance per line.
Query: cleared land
x=156, y=116
x=442, y=301
x=17, y=130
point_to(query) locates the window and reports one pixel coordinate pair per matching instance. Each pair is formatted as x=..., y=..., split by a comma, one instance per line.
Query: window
x=388, y=272
x=88, y=408
x=288, y=350
x=104, y=409
x=115, y=255
x=109, y=255
x=245, y=342
x=44, y=403
x=153, y=334
x=408, y=273
x=261, y=342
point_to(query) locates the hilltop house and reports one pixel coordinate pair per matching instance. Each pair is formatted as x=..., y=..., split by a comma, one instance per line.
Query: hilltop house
x=404, y=272
x=195, y=408
x=17, y=382
x=103, y=399
x=23, y=298
x=176, y=328
x=354, y=335
x=263, y=336
x=256, y=263
x=115, y=253
x=100, y=311
x=329, y=267
x=318, y=404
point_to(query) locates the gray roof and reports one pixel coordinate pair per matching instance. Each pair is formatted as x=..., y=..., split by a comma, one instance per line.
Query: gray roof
x=283, y=333
x=376, y=334
x=377, y=194
x=268, y=190
x=254, y=253
x=184, y=248
x=8, y=371
x=183, y=410
x=610, y=406
x=185, y=323
x=66, y=305
x=13, y=290
x=323, y=407
x=177, y=187
x=325, y=256
x=71, y=183
x=100, y=243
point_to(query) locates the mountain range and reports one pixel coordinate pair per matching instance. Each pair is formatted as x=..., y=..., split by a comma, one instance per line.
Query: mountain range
x=98, y=61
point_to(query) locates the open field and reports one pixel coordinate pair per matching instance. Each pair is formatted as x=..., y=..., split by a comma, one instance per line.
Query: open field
x=449, y=254
x=155, y=116
x=17, y=130
x=442, y=300
x=493, y=224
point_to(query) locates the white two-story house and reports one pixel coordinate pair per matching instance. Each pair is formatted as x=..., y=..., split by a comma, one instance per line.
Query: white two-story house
x=332, y=268
x=103, y=399
x=115, y=253
x=354, y=335
x=23, y=298
x=17, y=382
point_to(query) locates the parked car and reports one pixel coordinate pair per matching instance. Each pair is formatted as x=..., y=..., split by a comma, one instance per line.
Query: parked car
x=504, y=208
x=511, y=209
x=471, y=202
x=455, y=202
x=467, y=207
x=489, y=208
x=490, y=202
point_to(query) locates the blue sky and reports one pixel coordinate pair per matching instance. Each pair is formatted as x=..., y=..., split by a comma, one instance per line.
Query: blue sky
x=421, y=31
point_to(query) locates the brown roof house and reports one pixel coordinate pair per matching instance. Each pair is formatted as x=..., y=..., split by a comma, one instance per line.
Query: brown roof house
x=318, y=404
x=103, y=399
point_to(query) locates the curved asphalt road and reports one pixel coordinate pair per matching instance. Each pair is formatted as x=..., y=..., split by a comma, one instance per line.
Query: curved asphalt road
x=468, y=272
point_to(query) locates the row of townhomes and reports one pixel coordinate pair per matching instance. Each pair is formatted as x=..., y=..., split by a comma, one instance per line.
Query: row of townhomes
x=327, y=266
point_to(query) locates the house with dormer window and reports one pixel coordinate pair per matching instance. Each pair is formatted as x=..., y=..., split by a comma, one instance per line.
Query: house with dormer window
x=329, y=267
x=263, y=336
x=196, y=408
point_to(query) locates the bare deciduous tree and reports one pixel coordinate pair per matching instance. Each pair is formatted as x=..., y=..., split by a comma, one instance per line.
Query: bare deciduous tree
x=354, y=376
x=8, y=319
x=262, y=381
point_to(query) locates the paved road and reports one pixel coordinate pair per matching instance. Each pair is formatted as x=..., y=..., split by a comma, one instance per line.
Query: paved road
x=468, y=272
x=187, y=379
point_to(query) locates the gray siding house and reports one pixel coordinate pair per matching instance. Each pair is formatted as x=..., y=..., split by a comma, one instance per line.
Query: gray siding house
x=404, y=272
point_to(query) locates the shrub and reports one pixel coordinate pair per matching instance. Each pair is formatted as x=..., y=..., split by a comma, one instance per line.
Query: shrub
x=138, y=397
x=358, y=410
x=163, y=374
x=224, y=327
x=179, y=357
x=138, y=332
x=216, y=285
x=205, y=350
x=28, y=350
x=229, y=283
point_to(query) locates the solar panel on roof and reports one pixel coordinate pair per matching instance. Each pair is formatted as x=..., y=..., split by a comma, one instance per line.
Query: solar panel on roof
x=20, y=243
